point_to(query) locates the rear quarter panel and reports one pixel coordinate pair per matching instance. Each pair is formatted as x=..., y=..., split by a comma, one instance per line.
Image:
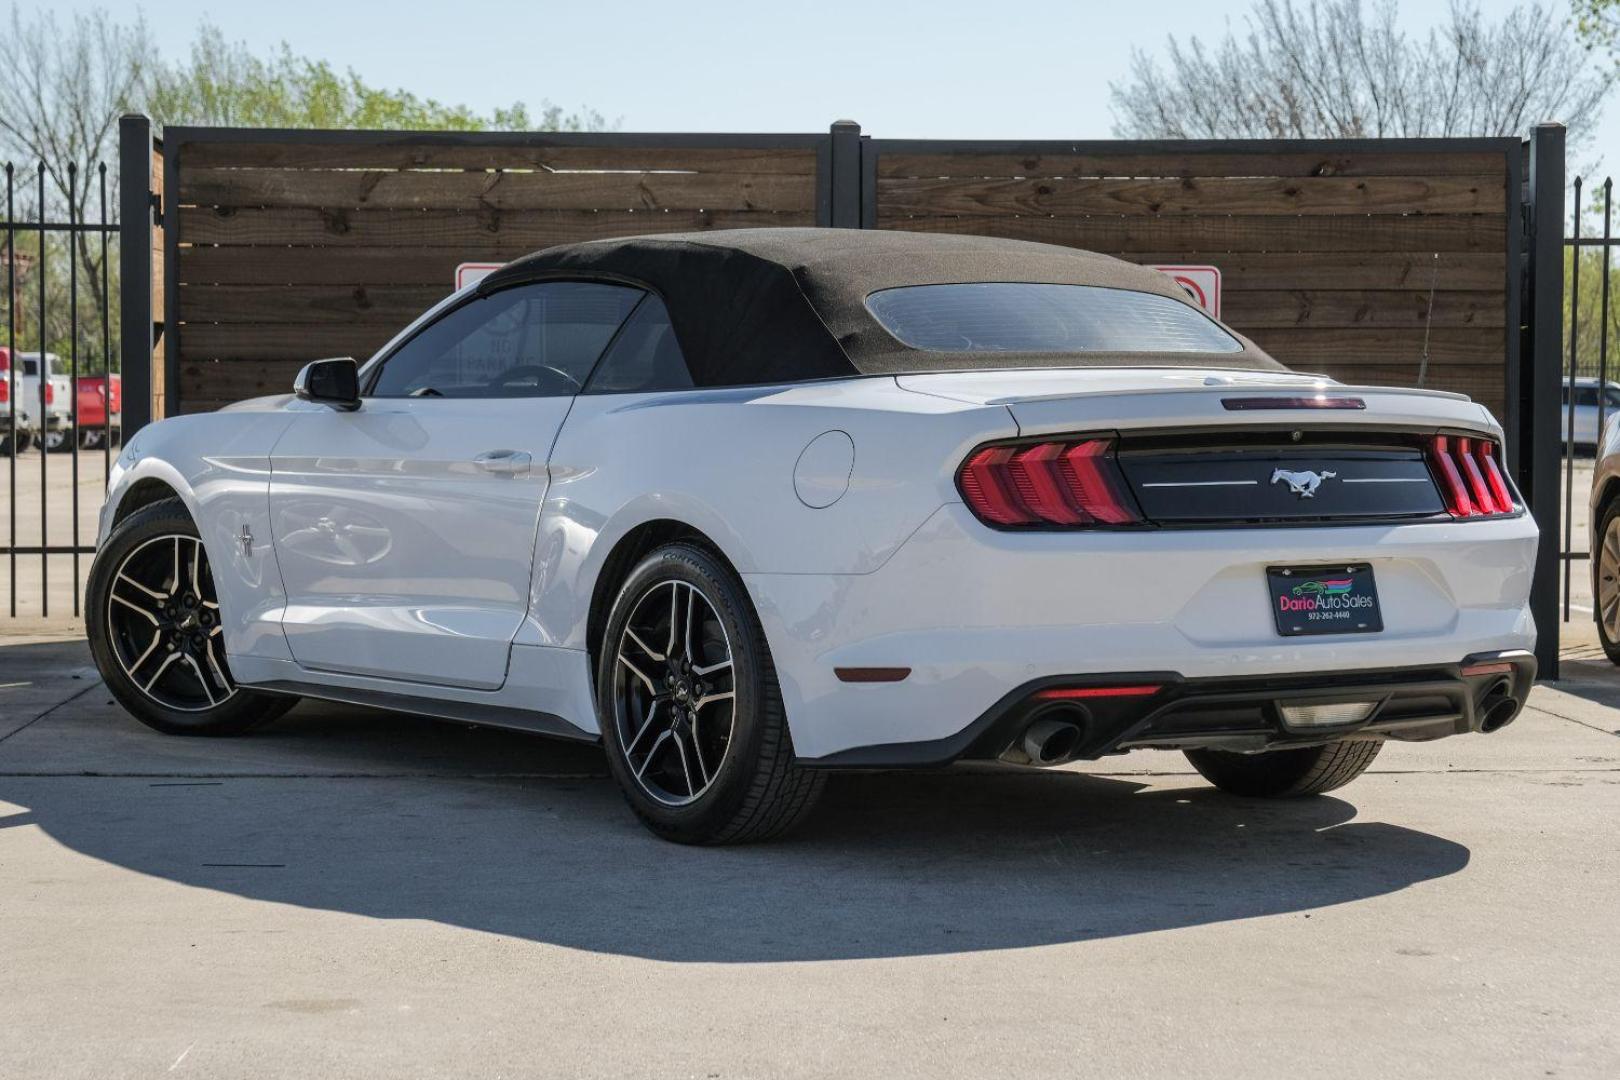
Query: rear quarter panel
x=723, y=462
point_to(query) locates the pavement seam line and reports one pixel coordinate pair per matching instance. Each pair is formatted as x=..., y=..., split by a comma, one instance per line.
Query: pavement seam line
x=60, y=704
x=1572, y=720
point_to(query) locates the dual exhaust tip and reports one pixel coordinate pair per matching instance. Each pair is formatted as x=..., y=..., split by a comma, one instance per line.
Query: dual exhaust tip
x=1056, y=733
x=1497, y=708
x=1052, y=738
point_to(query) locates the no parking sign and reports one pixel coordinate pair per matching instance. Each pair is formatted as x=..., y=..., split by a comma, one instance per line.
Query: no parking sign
x=1203, y=284
x=469, y=272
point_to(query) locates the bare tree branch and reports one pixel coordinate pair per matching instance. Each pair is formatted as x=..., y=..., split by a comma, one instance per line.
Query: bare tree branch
x=1346, y=69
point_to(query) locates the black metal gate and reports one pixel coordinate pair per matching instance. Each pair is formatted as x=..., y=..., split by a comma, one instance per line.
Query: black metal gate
x=1587, y=397
x=54, y=348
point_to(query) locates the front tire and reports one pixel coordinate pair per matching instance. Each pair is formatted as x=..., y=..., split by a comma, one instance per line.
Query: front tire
x=153, y=619
x=690, y=712
x=1286, y=774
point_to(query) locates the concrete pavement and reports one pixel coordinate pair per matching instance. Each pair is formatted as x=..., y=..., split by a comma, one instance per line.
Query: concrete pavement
x=353, y=893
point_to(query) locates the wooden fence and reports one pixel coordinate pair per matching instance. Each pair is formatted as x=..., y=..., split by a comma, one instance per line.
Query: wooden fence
x=1349, y=258
x=1354, y=259
x=290, y=246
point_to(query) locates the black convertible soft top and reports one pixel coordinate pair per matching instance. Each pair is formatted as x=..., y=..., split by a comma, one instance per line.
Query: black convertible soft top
x=785, y=305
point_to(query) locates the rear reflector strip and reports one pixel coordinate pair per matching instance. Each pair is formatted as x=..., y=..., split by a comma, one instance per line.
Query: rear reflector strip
x=1486, y=669
x=1243, y=404
x=1071, y=483
x=1072, y=693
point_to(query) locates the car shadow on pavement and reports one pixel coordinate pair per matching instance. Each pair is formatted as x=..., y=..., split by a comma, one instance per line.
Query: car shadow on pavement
x=331, y=809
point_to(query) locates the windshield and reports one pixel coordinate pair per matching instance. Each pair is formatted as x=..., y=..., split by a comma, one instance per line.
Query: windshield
x=1007, y=316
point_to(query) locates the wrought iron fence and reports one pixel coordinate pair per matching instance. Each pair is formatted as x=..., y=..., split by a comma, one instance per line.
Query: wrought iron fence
x=1587, y=396
x=42, y=321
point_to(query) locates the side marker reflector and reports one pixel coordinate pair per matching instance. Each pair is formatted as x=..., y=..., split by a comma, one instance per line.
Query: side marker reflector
x=871, y=674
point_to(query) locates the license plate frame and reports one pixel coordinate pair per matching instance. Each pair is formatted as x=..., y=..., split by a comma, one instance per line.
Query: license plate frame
x=1341, y=598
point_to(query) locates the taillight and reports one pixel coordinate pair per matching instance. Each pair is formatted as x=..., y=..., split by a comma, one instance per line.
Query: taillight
x=5, y=390
x=1071, y=482
x=1471, y=478
x=50, y=394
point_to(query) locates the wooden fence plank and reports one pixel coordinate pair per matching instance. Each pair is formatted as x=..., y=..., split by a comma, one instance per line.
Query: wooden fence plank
x=1318, y=308
x=1309, y=348
x=1198, y=235
x=1292, y=346
x=1469, y=272
x=1215, y=195
x=283, y=341
x=308, y=303
x=334, y=266
x=417, y=152
x=1186, y=163
x=207, y=385
x=349, y=189
x=1312, y=308
x=467, y=230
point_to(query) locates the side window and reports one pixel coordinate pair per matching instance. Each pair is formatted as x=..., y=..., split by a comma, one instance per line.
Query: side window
x=537, y=340
x=645, y=358
x=1587, y=396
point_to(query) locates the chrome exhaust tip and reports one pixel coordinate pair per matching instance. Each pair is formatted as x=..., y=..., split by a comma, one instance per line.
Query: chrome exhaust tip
x=1052, y=738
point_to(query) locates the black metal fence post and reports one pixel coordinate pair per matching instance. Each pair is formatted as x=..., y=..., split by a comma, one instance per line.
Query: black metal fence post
x=846, y=175
x=1542, y=349
x=135, y=271
x=14, y=369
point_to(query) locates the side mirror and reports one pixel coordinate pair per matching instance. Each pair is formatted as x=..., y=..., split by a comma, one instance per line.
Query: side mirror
x=330, y=382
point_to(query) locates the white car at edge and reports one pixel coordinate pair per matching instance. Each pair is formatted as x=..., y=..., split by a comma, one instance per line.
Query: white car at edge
x=751, y=506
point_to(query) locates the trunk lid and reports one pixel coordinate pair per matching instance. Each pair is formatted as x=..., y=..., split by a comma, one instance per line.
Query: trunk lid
x=1044, y=401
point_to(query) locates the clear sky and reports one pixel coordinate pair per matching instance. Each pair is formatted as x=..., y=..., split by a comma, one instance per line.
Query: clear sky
x=1031, y=69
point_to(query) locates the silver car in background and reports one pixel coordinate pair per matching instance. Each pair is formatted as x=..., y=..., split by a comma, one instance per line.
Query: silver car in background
x=1588, y=413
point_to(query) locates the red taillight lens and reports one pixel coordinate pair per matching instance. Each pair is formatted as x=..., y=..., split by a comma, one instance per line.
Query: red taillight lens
x=1070, y=482
x=5, y=390
x=50, y=394
x=1471, y=479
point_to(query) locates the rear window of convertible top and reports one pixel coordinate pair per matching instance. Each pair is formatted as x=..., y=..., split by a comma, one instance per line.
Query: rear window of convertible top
x=1006, y=316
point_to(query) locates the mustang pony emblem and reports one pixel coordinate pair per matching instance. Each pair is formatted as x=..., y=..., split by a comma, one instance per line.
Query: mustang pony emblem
x=1303, y=484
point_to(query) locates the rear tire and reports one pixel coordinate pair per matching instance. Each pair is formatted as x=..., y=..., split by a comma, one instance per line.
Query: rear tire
x=153, y=620
x=59, y=442
x=692, y=719
x=1606, y=580
x=1286, y=774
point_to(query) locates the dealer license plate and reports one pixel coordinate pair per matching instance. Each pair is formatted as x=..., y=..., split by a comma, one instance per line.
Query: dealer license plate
x=1324, y=600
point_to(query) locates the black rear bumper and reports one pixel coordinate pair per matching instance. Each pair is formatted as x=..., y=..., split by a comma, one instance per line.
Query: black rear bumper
x=1482, y=692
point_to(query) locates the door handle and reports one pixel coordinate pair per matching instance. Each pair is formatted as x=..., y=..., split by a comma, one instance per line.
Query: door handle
x=504, y=462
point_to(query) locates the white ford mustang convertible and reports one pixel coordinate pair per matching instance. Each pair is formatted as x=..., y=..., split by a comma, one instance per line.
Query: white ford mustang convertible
x=751, y=506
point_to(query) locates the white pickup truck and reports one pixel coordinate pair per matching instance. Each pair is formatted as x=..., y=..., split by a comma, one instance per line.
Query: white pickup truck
x=52, y=427
x=14, y=410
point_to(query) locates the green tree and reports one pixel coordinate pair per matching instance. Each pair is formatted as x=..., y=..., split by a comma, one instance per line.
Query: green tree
x=63, y=85
x=224, y=83
x=1598, y=23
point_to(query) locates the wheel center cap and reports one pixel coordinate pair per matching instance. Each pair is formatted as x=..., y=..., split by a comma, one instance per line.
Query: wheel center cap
x=682, y=693
x=189, y=621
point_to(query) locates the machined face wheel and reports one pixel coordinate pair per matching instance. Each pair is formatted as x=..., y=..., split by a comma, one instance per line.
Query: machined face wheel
x=1608, y=580
x=674, y=693
x=163, y=625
